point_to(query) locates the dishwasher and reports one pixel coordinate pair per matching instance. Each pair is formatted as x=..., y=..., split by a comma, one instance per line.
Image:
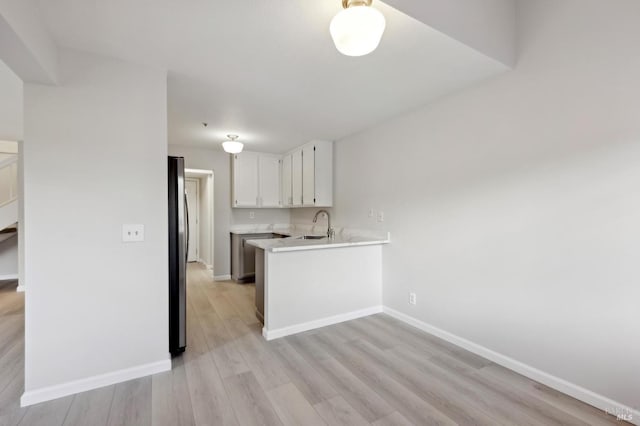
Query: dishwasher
x=243, y=256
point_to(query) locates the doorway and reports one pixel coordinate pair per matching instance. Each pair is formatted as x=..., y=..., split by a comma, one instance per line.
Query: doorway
x=192, y=191
x=199, y=187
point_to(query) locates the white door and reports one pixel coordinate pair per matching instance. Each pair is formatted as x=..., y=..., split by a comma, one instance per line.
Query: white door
x=245, y=179
x=296, y=178
x=192, y=189
x=308, y=175
x=269, y=180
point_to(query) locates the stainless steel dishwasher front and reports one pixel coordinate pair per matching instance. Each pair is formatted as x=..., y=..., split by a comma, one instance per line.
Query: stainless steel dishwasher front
x=243, y=258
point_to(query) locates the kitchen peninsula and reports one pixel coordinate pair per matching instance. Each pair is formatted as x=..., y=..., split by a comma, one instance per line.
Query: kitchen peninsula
x=302, y=284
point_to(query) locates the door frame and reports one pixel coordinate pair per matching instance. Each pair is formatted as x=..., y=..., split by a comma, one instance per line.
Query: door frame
x=197, y=216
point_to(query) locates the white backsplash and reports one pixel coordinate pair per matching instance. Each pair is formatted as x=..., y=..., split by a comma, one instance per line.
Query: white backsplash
x=310, y=229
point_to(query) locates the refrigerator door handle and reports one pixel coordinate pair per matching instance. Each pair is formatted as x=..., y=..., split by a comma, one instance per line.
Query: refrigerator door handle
x=186, y=233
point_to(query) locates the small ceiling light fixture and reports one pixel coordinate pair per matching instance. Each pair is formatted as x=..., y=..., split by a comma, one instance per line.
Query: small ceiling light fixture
x=232, y=146
x=357, y=29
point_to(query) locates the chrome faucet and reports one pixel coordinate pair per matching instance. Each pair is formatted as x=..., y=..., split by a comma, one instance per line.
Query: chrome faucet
x=329, y=228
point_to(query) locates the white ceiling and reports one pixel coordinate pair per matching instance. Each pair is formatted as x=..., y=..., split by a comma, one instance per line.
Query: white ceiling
x=268, y=70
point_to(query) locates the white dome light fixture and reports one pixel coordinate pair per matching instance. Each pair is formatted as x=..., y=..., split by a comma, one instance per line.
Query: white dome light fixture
x=357, y=30
x=232, y=146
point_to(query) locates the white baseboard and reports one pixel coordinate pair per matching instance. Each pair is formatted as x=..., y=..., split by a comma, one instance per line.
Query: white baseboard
x=58, y=391
x=323, y=322
x=20, y=288
x=568, y=388
x=221, y=277
x=8, y=277
x=206, y=265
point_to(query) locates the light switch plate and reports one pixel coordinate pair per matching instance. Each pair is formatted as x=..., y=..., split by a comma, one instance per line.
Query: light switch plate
x=380, y=216
x=132, y=233
x=252, y=215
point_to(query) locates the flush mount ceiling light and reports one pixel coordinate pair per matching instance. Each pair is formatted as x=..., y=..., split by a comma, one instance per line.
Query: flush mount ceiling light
x=357, y=30
x=232, y=146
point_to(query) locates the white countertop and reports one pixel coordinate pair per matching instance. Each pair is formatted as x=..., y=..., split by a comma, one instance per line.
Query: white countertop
x=343, y=238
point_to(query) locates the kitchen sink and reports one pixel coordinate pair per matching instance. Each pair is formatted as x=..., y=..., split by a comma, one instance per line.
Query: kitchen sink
x=312, y=237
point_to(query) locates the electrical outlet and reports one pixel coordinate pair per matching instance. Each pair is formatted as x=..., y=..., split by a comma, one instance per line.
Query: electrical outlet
x=252, y=215
x=380, y=216
x=132, y=233
x=372, y=213
x=412, y=298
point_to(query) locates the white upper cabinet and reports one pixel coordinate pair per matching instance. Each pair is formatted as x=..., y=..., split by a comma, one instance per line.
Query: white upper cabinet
x=245, y=180
x=322, y=173
x=308, y=175
x=301, y=178
x=313, y=175
x=269, y=180
x=296, y=177
x=287, y=195
x=256, y=180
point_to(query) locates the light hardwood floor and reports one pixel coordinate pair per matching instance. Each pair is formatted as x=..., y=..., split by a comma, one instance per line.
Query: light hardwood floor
x=374, y=370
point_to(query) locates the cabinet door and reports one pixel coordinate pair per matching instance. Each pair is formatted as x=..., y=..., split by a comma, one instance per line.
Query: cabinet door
x=287, y=197
x=324, y=173
x=296, y=178
x=308, y=175
x=245, y=180
x=269, y=180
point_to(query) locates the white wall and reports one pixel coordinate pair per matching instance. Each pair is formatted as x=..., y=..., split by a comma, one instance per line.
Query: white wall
x=21, y=262
x=8, y=179
x=488, y=26
x=206, y=233
x=25, y=44
x=10, y=128
x=9, y=257
x=514, y=207
x=95, y=157
x=10, y=104
x=224, y=215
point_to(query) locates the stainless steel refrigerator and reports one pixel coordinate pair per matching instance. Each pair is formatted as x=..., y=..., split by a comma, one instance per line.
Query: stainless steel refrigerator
x=178, y=249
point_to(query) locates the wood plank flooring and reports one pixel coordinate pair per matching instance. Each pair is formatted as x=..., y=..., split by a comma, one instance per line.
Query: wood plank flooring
x=373, y=370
